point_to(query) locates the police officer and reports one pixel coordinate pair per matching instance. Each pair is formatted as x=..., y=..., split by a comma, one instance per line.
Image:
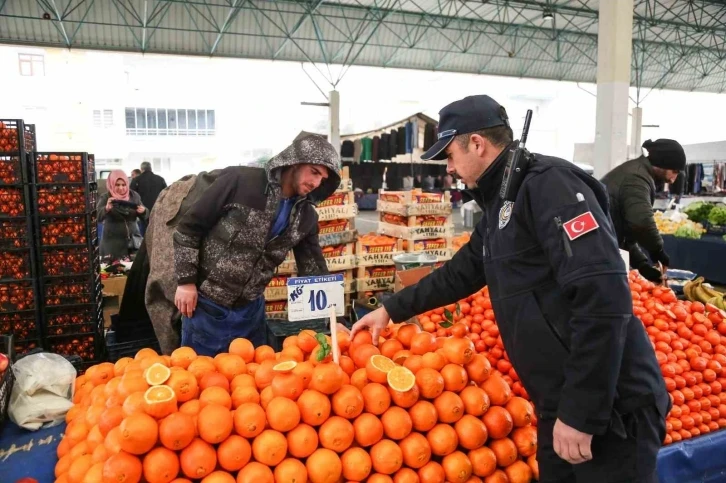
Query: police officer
x=632, y=192
x=560, y=293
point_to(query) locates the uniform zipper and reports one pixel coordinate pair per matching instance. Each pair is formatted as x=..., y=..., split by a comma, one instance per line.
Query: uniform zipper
x=565, y=239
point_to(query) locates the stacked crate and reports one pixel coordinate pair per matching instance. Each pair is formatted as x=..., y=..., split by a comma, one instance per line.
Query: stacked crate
x=422, y=220
x=376, y=269
x=336, y=215
x=69, y=281
x=19, y=302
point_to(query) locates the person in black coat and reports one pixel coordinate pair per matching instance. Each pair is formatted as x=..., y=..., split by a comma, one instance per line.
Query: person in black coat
x=148, y=185
x=632, y=188
x=562, y=301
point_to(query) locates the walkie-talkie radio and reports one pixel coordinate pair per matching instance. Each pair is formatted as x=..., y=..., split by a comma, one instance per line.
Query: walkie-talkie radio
x=517, y=165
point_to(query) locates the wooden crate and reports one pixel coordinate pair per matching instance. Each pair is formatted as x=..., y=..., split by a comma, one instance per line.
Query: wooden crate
x=373, y=284
x=386, y=271
x=277, y=288
x=276, y=309
x=340, y=257
x=348, y=280
x=346, y=184
x=374, y=255
x=338, y=206
x=441, y=248
x=415, y=220
x=326, y=227
x=414, y=202
x=416, y=232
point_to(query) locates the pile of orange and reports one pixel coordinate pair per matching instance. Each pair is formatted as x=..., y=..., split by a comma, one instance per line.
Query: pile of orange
x=430, y=411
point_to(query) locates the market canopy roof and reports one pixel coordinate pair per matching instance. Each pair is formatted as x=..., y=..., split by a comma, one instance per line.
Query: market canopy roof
x=676, y=44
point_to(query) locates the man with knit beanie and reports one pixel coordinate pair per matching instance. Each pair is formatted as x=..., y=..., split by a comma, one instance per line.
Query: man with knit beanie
x=632, y=192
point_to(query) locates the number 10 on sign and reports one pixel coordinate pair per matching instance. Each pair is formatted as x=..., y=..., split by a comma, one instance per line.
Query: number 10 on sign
x=311, y=297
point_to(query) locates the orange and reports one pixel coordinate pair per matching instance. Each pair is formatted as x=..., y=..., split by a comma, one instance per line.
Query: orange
x=306, y=341
x=483, y=461
x=230, y=365
x=521, y=411
x=457, y=467
x=263, y=353
x=378, y=367
x=368, y=430
x=113, y=441
x=200, y=366
x=219, y=477
x=336, y=434
x=505, y=450
x=422, y=342
x=245, y=394
x=144, y=353
x=255, y=472
x=160, y=401
x=471, y=431
x=348, y=402
x=234, y=453
x=449, y=407
x=324, y=466
x=476, y=401
x=191, y=408
x=405, y=399
x=497, y=389
x=416, y=450
x=177, y=430
x=243, y=348
x=413, y=363
x=215, y=395
x=287, y=385
x=79, y=450
x=134, y=403
x=243, y=380
x=109, y=419
x=386, y=457
x=327, y=378
x=185, y=385
x=478, y=368
x=376, y=397
x=157, y=374
x=282, y=414
x=433, y=360
x=525, y=439
x=431, y=472
x=139, y=433
x=290, y=471
x=94, y=475
x=198, y=459
x=265, y=373
x=182, y=357
x=214, y=423
x=293, y=353
x=314, y=407
x=266, y=396
x=249, y=420
x=455, y=377
x=359, y=378
x=459, y=351
x=397, y=423
x=304, y=370
x=499, y=476
x=302, y=441
x=519, y=472
x=356, y=464
x=160, y=465
x=423, y=415
x=405, y=475
x=498, y=422
x=122, y=468
x=443, y=439
x=430, y=382
x=214, y=379
x=78, y=468
x=120, y=366
x=269, y=447
x=361, y=353
x=401, y=379
x=101, y=373
x=390, y=347
x=406, y=332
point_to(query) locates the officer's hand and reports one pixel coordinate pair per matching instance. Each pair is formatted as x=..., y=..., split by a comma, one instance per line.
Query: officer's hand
x=570, y=444
x=661, y=257
x=376, y=321
x=651, y=273
x=186, y=299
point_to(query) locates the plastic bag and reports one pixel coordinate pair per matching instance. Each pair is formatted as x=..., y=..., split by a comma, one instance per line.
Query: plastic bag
x=43, y=390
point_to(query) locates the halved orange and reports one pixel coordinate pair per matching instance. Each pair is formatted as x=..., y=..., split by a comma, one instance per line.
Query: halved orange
x=157, y=374
x=160, y=401
x=401, y=379
x=378, y=367
x=285, y=367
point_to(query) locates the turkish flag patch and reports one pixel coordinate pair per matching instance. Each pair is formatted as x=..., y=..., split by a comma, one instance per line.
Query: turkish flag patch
x=580, y=225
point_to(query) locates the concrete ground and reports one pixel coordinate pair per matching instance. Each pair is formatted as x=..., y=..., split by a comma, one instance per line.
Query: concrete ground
x=367, y=221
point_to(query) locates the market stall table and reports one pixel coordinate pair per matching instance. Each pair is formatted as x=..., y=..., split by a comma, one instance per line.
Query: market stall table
x=706, y=256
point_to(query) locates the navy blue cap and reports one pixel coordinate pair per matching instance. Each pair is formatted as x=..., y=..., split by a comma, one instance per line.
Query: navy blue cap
x=468, y=115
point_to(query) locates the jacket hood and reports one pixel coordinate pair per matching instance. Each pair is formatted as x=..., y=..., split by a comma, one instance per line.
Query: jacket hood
x=309, y=148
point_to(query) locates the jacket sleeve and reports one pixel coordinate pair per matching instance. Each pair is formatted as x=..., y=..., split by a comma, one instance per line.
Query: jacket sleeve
x=137, y=199
x=309, y=256
x=456, y=279
x=196, y=224
x=134, y=186
x=638, y=214
x=593, y=278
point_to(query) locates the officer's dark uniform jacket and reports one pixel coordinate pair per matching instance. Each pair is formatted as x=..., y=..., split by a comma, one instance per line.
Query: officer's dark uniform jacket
x=563, y=307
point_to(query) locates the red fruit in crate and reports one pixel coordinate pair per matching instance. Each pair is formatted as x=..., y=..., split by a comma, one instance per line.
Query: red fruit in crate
x=26, y=479
x=3, y=362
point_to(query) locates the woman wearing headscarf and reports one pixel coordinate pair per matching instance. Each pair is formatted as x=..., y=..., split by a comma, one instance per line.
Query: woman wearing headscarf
x=118, y=210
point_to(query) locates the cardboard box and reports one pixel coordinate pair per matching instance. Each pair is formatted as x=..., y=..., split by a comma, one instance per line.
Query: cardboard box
x=114, y=287
x=406, y=278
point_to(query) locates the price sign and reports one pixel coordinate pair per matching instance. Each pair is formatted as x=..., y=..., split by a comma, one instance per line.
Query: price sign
x=311, y=297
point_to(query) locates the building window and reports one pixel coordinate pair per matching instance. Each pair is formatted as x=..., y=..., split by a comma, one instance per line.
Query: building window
x=31, y=64
x=103, y=118
x=151, y=121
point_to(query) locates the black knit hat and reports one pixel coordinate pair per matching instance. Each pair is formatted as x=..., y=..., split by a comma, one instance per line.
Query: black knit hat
x=666, y=154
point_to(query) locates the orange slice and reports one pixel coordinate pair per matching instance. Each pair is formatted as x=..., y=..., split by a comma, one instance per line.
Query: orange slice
x=401, y=379
x=378, y=367
x=285, y=367
x=157, y=374
x=160, y=401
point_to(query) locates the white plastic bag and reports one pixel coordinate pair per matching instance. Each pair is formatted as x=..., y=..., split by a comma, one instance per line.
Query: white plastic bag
x=43, y=390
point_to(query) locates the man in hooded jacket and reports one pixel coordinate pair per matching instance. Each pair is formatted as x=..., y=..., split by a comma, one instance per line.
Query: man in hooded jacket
x=230, y=241
x=631, y=187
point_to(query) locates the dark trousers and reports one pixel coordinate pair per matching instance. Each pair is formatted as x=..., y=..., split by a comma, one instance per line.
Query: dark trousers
x=627, y=455
x=213, y=327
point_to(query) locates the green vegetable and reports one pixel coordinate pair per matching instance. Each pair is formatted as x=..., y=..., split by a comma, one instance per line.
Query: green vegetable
x=717, y=216
x=686, y=231
x=698, y=211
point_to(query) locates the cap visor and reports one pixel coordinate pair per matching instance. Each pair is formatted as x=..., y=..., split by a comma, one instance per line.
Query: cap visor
x=437, y=152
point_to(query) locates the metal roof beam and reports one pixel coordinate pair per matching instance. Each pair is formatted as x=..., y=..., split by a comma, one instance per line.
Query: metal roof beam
x=310, y=9
x=233, y=12
x=53, y=8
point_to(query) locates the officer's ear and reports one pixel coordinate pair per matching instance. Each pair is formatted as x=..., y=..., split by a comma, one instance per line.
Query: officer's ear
x=480, y=144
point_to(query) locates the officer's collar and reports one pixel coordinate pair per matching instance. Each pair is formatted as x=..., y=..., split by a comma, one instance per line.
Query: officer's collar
x=490, y=182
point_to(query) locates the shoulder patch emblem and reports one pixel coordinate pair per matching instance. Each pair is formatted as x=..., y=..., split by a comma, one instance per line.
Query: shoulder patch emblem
x=505, y=213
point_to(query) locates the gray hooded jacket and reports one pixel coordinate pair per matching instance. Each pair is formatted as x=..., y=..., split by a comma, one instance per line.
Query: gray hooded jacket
x=221, y=243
